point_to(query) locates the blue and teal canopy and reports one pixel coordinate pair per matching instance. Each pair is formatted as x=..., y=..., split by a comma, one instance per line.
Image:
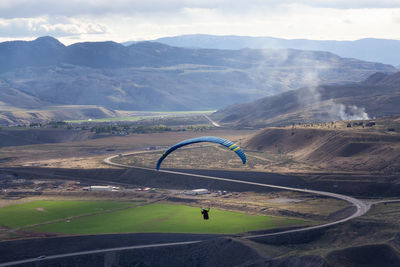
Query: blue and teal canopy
x=211, y=139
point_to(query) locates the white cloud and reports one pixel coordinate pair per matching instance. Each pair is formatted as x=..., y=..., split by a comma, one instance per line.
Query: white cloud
x=351, y=4
x=123, y=20
x=62, y=26
x=34, y=8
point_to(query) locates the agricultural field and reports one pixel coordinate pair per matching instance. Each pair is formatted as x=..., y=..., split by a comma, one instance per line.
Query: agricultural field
x=98, y=217
x=130, y=116
x=167, y=218
x=138, y=118
x=36, y=212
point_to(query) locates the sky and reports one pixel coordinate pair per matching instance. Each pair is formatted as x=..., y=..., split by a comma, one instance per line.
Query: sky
x=73, y=21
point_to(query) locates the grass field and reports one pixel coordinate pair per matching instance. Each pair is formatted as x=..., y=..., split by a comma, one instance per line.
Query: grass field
x=167, y=218
x=141, y=115
x=138, y=118
x=31, y=213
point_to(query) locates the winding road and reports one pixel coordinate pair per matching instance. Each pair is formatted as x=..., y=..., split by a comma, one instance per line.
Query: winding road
x=361, y=208
x=211, y=121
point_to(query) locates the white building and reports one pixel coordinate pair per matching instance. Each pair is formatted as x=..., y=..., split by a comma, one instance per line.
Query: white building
x=101, y=188
x=197, y=192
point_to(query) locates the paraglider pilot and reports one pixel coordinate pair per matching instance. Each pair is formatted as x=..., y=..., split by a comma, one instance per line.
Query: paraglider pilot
x=205, y=213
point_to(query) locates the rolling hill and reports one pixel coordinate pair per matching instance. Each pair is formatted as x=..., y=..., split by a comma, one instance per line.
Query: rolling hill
x=154, y=76
x=333, y=147
x=12, y=116
x=377, y=96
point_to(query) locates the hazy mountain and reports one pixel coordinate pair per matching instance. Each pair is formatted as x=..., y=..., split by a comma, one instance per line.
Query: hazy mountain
x=377, y=96
x=370, y=49
x=154, y=76
x=40, y=52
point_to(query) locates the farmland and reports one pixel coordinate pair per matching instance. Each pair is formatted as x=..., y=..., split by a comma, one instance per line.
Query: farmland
x=35, y=212
x=97, y=217
x=129, y=116
x=167, y=218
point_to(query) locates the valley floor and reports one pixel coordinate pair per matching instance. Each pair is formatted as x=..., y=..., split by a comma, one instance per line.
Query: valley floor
x=62, y=171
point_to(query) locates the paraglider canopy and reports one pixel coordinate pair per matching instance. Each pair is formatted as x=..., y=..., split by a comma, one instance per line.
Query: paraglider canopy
x=211, y=139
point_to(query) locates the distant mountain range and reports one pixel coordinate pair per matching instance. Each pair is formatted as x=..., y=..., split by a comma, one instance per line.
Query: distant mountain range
x=370, y=49
x=154, y=76
x=377, y=96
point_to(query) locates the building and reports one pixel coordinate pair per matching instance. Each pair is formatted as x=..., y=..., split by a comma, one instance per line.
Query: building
x=197, y=192
x=100, y=188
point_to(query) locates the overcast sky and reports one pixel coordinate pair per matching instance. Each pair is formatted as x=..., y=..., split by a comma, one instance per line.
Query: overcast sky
x=122, y=20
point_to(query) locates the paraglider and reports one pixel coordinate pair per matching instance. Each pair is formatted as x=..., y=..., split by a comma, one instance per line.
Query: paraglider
x=229, y=144
x=205, y=213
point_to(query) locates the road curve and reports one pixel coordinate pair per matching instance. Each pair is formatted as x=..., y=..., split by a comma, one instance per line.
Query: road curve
x=94, y=252
x=361, y=208
x=211, y=121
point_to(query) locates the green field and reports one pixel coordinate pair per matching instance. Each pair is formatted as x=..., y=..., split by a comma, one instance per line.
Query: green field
x=166, y=218
x=144, y=115
x=112, y=119
x=36, y=212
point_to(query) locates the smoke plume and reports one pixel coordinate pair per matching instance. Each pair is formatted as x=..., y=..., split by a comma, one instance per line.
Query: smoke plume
x=338, y=111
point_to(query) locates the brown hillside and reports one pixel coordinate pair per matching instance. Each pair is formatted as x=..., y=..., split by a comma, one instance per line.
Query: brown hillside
x=16, y=137
x=347, y=150
x=22, y=116
x=377, y=96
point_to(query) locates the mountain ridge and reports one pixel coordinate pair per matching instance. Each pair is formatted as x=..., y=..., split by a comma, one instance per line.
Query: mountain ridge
x=154, y=76
x=384, y=50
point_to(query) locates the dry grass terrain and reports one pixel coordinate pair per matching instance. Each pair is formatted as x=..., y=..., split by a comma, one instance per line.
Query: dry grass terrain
x=335, y=147
x=214, y=157
x=90, y=153
x=330, y=147
x=313, y=148
x=12, y=115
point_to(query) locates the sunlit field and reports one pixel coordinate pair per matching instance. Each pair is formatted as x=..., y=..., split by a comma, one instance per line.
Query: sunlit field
x=36, y=212
x=167, y=218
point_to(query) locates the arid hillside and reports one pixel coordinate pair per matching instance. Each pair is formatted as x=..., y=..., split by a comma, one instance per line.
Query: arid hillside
x=340, y=149
x=378, y=96
x=15, y=137
x=12, y=116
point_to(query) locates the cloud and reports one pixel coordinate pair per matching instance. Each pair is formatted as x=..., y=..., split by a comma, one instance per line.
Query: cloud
x=35, y=8
x=351, y=4
x=127, y=20
x=61, y=26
